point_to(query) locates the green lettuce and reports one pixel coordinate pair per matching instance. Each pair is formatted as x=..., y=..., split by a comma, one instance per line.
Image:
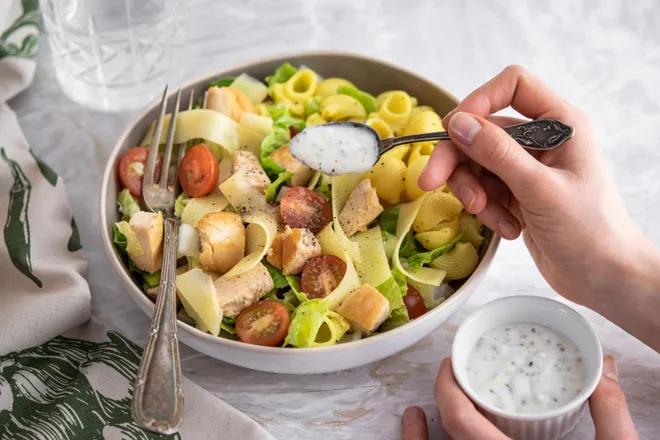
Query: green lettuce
x=128, y=206
x=272, y=142
x=426, y=291
x=307, y=325
x=181, y=203
x=394, y=289
x=228, y=325
x=281, y=117
x=294, y=283
x=119, y=239
x=420, y=259
x=313, y=105
x=151, y=279
x=367, y=100
x=282, y=74
x=408, y=246
x=222, y=82
x=274, y=188
x=389, y=243
x=389, y=219
x=279, y=280
x=324, y=190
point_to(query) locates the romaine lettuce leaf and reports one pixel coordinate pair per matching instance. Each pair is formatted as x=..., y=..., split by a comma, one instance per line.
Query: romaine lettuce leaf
x=222, y=82
x=279, y=280
x=394, y=289
x=281, y=117
x=282, y=74
x=420, y=259
x=118, y=238
x=294, y=283
x=389, y=243
x=408, y=246
x=272, y=142
x=228, y=325
x=367, y=100
x=127, y=204
x=314, y=325
x=151, y=279
x=313, y=105
x=389, y=219
x=274, y=188
x=180, y=204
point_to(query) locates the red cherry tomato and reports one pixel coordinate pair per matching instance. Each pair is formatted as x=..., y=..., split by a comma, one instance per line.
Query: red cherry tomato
x=198, y=171
x=263, y=323
x=414, y=303
x=303, y=208
x=321, y=275
x=131, y=169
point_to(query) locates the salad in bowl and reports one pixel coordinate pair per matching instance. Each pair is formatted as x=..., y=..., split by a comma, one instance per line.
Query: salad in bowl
x=273, y=253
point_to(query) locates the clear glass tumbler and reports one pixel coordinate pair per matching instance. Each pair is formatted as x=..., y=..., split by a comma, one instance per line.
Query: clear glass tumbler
x=113, y=54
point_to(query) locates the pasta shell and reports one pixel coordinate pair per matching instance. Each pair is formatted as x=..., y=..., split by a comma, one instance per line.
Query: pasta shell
x=399, y=152
x=381, y=127
x=395, y=110
x=441, y=235
x=329, y=86
x=387, y=177
x=301, y=85
x=342, y=107
x=437, y=207
x=415, y=168
x=471, y=228
x=315, y=119
x=459, y=263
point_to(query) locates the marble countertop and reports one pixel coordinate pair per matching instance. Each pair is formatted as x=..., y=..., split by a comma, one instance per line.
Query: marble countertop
x=603, y=55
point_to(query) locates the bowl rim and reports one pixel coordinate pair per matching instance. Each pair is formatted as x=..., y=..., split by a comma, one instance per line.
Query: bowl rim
x=139, y=296
x=547, y=303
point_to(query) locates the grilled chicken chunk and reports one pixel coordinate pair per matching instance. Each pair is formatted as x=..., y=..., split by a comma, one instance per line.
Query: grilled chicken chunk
x=229, y=102
x=365, y=309
x=292, y=249
x=148, y=227
x=361, y=208
x=248, y=163
x=241, y=291
x=301, y=172
x=222, y=236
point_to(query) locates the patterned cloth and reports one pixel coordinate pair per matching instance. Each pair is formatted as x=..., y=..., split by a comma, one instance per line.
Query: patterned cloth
x=79, y=385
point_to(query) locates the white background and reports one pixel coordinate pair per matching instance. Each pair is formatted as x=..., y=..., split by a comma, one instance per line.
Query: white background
x=603, y=56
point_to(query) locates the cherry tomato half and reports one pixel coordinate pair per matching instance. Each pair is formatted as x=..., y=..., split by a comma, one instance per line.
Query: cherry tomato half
x=321, y=275
x=263, y=323
x=414, y=303
x=131, y=169
x=198, y=171
x=301, y=207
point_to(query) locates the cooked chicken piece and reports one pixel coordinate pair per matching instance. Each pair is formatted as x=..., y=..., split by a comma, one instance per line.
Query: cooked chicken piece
x=361, y=208
x=274, y=255
x=222, y=236
x=292, y=249
x=241, y=291
x=153, y=292
x=302, y=173
x=249, y=164
x=148, y=227
x=365, y=309
x=229, y=102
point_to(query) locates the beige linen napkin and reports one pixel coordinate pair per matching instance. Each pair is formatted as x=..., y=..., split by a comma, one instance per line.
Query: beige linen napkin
x=77, y=385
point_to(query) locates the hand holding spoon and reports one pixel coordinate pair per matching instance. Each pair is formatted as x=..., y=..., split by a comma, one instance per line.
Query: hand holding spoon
x=349, y=147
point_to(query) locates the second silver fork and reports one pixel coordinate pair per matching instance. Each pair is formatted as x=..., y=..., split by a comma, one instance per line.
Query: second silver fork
x=158, y=394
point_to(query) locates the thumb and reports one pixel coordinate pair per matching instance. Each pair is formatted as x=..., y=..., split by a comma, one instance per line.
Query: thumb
x=491, y=147
x=609, y=408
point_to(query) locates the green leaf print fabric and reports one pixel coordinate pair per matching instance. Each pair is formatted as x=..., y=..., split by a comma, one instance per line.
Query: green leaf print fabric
x=63, y=376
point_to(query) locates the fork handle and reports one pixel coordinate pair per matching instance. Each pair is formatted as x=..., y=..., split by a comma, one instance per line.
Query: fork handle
x=158, y=395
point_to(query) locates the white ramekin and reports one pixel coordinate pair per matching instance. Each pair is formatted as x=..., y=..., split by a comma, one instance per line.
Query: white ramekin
x=549, y=425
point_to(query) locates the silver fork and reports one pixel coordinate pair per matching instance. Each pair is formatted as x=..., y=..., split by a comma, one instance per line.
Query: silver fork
x=158, y=395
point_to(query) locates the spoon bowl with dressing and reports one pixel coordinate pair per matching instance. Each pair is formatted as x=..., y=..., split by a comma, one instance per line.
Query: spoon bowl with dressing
x=349, y=147
x=529, y=364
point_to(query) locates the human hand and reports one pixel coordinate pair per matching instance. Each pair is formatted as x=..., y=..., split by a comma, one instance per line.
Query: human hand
x=462, y=421
x=565, y=201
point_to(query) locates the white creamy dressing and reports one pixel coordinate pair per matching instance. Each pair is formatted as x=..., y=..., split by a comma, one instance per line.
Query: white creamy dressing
x=336, y=148
x=525, y=368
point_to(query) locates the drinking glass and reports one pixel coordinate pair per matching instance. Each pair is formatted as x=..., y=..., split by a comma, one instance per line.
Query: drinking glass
x=113, y=54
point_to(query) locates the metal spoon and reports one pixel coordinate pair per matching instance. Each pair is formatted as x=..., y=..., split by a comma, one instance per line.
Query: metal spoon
x=542, y=134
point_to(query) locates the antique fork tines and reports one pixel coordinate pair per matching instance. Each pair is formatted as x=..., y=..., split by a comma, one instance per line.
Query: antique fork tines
x=158, y=394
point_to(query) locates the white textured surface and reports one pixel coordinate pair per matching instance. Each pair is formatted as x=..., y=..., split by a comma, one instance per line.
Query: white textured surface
x=603, y=55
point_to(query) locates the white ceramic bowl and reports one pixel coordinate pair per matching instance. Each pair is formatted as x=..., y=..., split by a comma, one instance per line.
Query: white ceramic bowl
x=549, y=425
x=370, y=75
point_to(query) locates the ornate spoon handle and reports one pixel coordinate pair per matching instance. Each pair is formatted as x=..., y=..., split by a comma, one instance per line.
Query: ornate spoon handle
x=543, y=134
x=158, y=395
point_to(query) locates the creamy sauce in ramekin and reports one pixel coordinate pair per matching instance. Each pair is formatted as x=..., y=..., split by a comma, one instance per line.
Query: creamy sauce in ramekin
x=525, y=368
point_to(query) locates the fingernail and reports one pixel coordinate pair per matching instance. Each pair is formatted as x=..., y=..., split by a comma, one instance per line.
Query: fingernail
x=465, y=127
x=507, y=229
x=468, y=196
x=411, y=415
x=609, y=368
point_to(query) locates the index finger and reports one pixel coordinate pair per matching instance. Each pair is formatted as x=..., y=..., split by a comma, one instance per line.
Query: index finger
x=459, y=416
x=514, y=87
